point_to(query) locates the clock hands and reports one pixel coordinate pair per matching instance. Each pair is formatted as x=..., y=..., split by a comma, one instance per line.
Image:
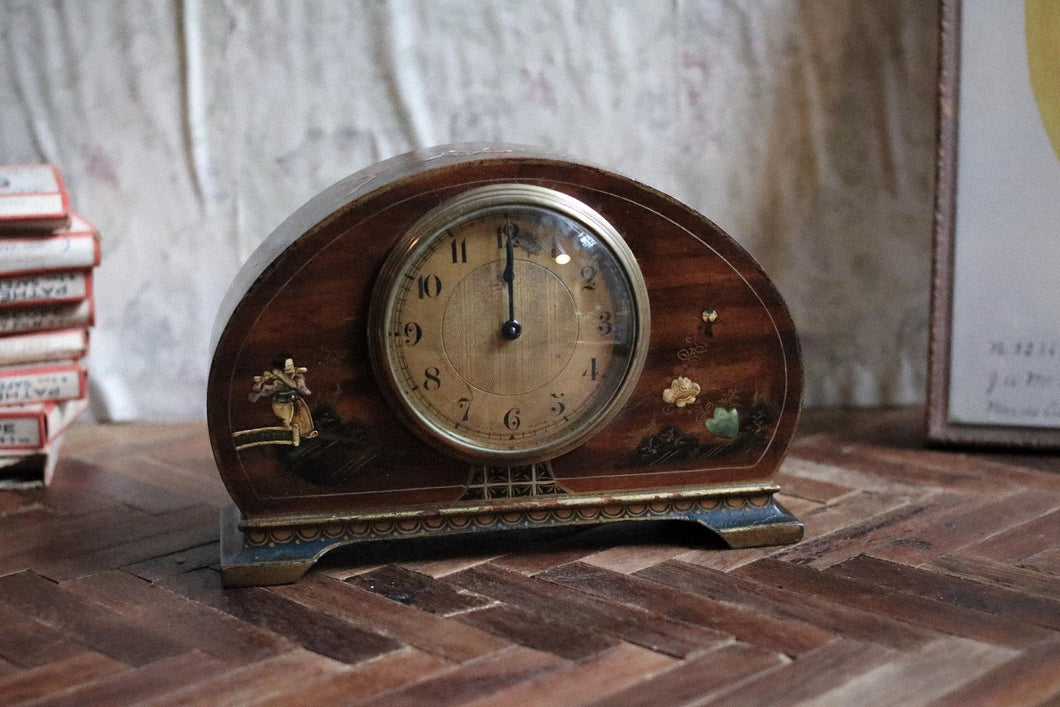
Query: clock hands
x=510, y=329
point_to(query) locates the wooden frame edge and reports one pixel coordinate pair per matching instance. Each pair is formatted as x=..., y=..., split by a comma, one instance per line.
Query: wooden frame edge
x=939, y=429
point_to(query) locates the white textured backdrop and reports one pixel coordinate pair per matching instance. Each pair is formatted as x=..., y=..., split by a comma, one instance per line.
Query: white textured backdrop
x=188, y=129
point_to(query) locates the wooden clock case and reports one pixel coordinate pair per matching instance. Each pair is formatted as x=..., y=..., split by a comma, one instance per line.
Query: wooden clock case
x=315, y=458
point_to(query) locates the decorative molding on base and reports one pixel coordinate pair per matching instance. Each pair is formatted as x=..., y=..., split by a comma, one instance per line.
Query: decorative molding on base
x=279, y=554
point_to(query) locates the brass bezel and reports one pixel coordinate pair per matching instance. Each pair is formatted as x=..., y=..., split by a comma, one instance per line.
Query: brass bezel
x=433, y=225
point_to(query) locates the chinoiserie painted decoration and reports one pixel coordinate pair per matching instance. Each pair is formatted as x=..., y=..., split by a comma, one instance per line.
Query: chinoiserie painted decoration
x=285, y=387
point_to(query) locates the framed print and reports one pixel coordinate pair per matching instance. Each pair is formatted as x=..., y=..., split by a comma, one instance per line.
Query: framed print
x=994, y=374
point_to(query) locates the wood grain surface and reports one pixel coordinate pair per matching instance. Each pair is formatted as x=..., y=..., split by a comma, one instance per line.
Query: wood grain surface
x=925, y=577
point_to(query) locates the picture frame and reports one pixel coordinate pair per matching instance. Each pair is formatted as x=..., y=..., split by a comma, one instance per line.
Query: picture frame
x=994, y=361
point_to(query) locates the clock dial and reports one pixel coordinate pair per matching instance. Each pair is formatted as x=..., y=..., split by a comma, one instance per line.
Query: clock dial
x=509, y=324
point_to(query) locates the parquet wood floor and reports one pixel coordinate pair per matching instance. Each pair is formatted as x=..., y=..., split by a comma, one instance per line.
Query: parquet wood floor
x=926, y=577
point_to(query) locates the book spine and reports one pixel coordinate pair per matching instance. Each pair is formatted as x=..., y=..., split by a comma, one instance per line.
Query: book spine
x=68, y=315
x=25, y=469
x=32, y=426
x=43, y=383
x=26, y=256
x=27, y=430
x=33, y=197
x=35, y=347
x=45, y=288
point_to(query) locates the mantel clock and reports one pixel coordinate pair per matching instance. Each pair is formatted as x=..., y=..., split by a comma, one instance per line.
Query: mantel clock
x=477, y=338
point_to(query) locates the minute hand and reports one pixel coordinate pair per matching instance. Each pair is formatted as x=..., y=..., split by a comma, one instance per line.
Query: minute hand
x=510, y=329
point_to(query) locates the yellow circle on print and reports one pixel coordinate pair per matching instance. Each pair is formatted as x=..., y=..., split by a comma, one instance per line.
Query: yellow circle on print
x=1042, y=21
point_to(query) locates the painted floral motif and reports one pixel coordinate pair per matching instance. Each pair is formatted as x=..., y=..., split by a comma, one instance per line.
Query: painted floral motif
x=724, y=424
x=682, y=392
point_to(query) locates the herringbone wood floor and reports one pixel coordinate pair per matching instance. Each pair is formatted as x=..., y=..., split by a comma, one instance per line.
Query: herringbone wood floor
x=924, y=577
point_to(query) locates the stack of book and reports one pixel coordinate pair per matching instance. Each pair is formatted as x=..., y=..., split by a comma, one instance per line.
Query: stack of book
x=47, y=254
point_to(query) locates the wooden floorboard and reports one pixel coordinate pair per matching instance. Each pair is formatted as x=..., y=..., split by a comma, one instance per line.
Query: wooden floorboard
x=926, y=577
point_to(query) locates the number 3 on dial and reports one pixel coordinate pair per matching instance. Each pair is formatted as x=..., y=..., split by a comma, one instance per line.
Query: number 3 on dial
x=509, y=324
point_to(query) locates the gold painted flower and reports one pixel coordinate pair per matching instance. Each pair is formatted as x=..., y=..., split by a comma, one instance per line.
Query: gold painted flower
x=682, y=391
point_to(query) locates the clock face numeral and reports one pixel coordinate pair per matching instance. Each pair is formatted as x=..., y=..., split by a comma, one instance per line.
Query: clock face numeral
x=604, y=325
x=511, y=419
x=589, y=276
x=428, y=286
x=557, y=406
x=459, y=251
x=413, y=333
x=505, y=231
x=502, y=302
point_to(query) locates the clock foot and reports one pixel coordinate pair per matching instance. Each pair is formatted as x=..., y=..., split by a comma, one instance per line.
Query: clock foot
x=245, y=565
x=282, y=554
x=751, y=525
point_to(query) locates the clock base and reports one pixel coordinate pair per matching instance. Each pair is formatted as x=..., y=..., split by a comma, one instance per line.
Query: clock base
x=280, y=551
